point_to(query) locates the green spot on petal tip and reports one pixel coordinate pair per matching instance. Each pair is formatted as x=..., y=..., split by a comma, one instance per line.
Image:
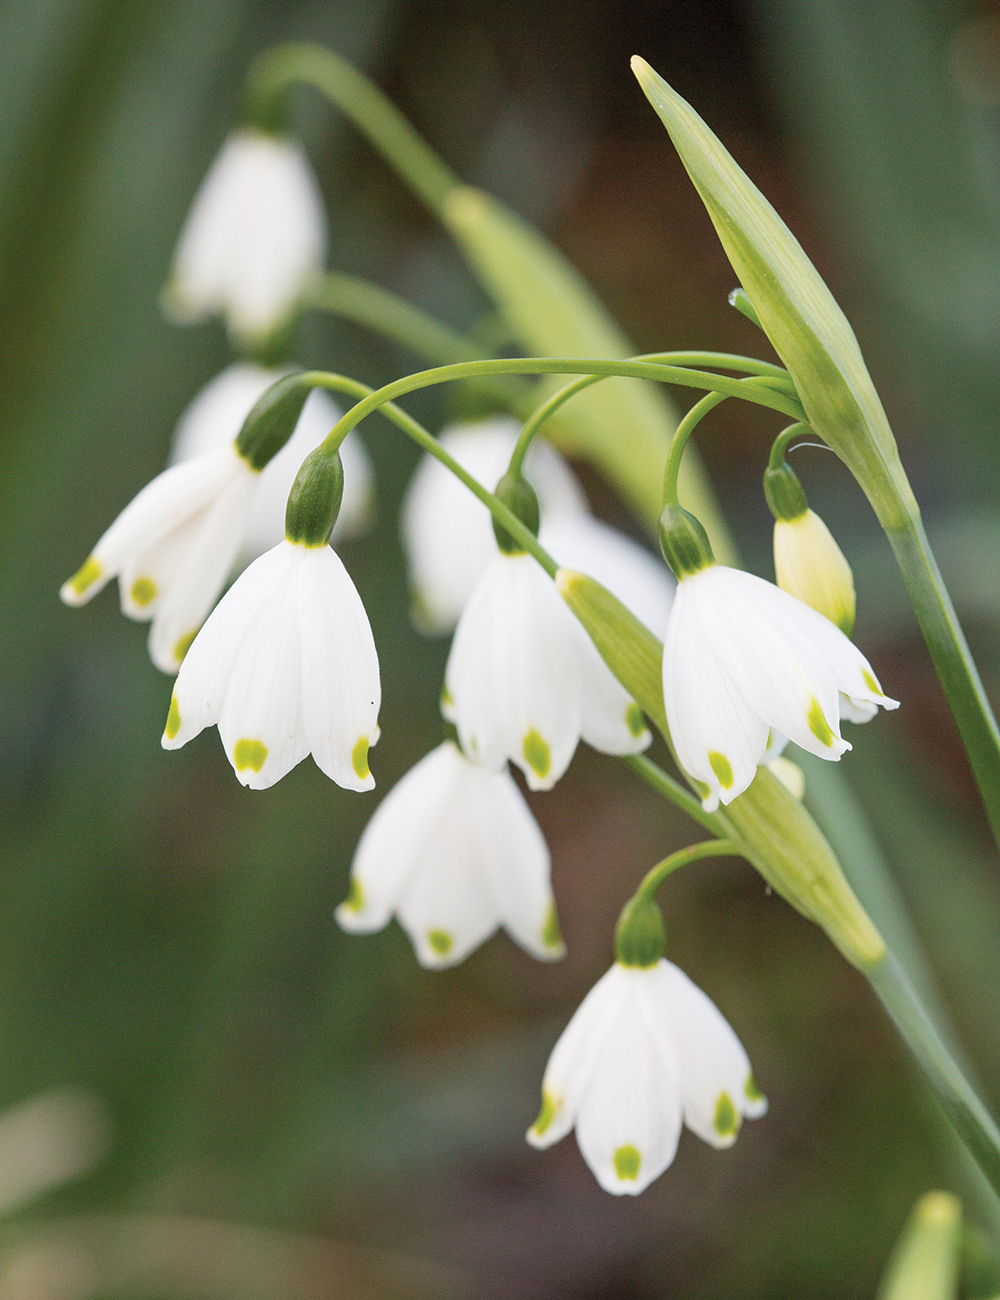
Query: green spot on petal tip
x=441, y=941
x=722, y=768
x=819, y=726
x=545, y=1116
x=551, y=936
x=870, y=682
x=249, y=753
x=634, y=720
x=536, y=753
x=173, y=719
x=86, y=575
x=627, y=1162
x=184, y=645
x=727, y=1120
x=143, y=591
x=751, y=1091
x=359, y=758
x=355, y=899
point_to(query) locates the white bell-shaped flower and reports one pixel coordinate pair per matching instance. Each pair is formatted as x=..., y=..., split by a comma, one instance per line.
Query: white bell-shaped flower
x=216, y=415
x=448, y=533
x=640, y=580
x=645, y=1051
x=172, y=548
x=741, y=657
x=285, y=666
x=455, y=853
x=254, y=236
x=525, y=682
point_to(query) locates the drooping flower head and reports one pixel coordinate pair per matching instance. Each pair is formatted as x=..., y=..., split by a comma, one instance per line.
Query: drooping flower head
x=454, y=852
x=645, y=1051
x=215, y=417
x=172, y=549
x=254, y=237
x=741, y=657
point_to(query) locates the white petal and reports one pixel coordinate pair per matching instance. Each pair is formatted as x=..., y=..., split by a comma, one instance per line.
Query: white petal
x=401, y=832
x=514, y=860
x=260, y=721
x=341, y=693
x=610, y=719
x=857, y=711
x=448, y=533
x=719, y=739
x=201, y=682
x=255, y=233
x=629, y=1119
x=200, y=575
x=575, y=1056
x=715, y=1079
x=512, y=674
x=640, y=581
x=144, y=579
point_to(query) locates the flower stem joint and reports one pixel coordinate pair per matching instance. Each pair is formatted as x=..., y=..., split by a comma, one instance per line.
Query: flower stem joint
x=520, y=498
x=684, y=542
x=640, y=935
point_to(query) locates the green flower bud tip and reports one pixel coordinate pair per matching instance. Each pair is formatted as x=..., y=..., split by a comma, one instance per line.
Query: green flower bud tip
x=520, y=498
x=640, y=936
x=684, y=542
x=314, y=501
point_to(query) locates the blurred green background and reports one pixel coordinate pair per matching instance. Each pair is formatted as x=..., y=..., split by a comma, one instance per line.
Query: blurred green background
x=299, y=1113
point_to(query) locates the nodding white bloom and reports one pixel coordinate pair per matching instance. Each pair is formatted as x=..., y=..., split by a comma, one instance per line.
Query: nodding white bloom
x=253, y=238
x=448, y=533
x=810, y=565
x=645, y=1051
x=285, y=666
x=641, y=581
x=454, y=852
x=525, y=682
x=215, y=417
x=172, y=548
x=742, y=656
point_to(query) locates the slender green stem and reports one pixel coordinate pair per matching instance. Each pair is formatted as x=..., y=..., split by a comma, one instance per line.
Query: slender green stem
x=655, y=877
x=375, y=116
x=538, y=417
x=780, y=445
x=953, y=661
x=665, y=785
x=761, y=393
x=425, y=440
x=966, y=1112
x=682, y=433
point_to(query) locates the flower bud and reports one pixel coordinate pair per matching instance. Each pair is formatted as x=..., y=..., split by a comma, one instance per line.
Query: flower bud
x=314, y=501
x=810, y=565
x=520, y=498
x=640, y=935
x=684, y=542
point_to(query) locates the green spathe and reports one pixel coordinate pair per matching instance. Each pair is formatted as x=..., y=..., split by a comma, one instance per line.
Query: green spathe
x=796, y=309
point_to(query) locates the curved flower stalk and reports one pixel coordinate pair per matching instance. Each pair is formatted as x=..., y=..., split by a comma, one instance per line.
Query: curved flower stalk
x=454, y=852
x=285, y=666
x=172, y=548
x=645, y=1051
x=524, y=682
x=742, y=656
x=254, y=237
x=216, y=415
x=448, y=534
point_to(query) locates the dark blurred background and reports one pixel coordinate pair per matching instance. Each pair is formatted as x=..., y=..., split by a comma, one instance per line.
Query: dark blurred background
x=297, y=1113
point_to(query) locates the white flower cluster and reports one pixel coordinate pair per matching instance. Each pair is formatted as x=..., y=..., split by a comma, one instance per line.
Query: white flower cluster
x=285, y=665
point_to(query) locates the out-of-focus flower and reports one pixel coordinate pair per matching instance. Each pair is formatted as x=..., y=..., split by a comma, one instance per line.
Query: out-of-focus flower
x=645, y=1051
x=524, y=681
x=254, y=237
x=216, y=415
x=455, y=853
x=285, y=666
x=172, y=548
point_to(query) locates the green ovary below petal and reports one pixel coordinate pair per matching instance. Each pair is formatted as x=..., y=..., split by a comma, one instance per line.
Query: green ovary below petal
x=627, y=1162
x=536, y=753
x=249, y=753
x=359, y=758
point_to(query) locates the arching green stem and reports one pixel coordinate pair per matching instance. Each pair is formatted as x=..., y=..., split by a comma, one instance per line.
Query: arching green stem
x=780, y=445
x=683, y=432
x=654, y=878
x=665, y=785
